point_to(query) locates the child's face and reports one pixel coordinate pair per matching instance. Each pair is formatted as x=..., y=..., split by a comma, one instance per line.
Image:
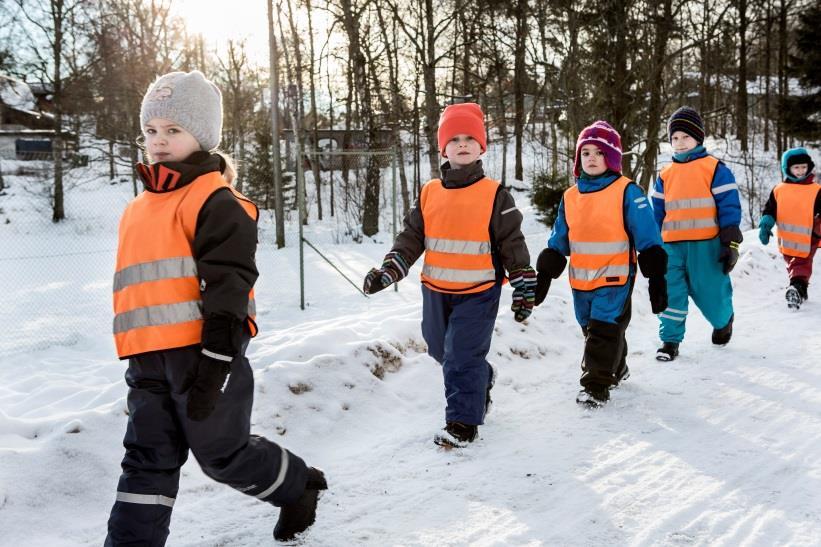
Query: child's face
x=682, y=142
x=167, y=141
x=462, y=150
x=799, y=170
x=592, y=158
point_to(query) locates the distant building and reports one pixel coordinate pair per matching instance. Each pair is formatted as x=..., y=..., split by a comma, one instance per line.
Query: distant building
x=26, y=123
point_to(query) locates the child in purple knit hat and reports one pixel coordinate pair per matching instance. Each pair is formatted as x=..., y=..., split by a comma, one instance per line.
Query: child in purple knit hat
x=602, y=221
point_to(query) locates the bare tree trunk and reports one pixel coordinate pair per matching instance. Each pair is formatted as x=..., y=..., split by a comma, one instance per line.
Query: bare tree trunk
x=370, y=212
x=782, y=75
x=431, y=104
x=273, y=62
x=767, y=74
x=520, y=48
x=663, y=26
x=331, y=121
x=58, y=212
x=741, y=104
x=396, y=106
x=315, y=115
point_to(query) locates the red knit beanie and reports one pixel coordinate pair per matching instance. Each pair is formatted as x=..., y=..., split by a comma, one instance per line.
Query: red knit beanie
x=462, y=118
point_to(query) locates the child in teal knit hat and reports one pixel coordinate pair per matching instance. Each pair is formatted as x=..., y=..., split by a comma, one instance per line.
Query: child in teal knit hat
x=795, y=206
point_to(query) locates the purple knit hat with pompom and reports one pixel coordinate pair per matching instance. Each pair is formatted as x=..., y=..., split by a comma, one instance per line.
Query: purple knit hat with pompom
x=606, y=138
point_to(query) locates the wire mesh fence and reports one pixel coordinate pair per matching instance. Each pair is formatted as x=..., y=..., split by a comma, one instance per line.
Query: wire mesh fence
x=60, y=273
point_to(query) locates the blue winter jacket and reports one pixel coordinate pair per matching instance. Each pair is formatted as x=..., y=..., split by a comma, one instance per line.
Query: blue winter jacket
x=639, y=222
x=724, y=188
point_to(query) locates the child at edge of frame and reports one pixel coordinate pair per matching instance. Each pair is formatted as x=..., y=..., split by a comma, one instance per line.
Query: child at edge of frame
x=184, y=315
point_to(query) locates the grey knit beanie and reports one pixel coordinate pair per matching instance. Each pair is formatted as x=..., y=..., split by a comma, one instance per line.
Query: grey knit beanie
x=188, y=99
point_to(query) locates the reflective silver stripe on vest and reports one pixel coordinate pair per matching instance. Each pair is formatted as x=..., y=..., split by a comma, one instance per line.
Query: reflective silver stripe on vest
x=167, y=268
x=803, y=247
x=145, y=499
x=457, y=246
x=599, y=248
x=283, y=470
x=152, y=316
x=691, y=224
x=458, y=276
x=585, y=274
x=698, y=203
x=803, y=230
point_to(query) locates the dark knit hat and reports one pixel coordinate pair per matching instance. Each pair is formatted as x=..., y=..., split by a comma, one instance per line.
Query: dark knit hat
x=606, y=138
x=462, y=118
x=795, y=156
x=688, y=120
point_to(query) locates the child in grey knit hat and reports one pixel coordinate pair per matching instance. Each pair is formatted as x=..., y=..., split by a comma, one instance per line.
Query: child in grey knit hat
x=184, y=313
x=188, y=101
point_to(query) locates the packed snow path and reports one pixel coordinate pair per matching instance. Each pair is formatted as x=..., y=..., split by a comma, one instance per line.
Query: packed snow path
x=719, y=447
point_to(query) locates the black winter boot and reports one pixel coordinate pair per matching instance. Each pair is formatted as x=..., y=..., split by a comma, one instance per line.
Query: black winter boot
x=722, y=336
x=593, y=396
x=667, y=352
x=800, y=284
x=296, y=517
x=456, y=435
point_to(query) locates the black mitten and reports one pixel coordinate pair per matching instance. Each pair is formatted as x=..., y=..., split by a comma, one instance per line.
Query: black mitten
x=549, y=266
x=730, y=237
x=658, y=294
x=221, y=338
x=210, y=377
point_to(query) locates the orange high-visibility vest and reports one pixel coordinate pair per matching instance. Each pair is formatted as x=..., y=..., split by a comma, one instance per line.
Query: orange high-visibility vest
x=690, y=212
x=458, y=251
x=795, y=217
x=157, y=303
x=600, y=251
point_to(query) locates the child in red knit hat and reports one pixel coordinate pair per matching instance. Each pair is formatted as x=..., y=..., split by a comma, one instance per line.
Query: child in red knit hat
x=469, y=229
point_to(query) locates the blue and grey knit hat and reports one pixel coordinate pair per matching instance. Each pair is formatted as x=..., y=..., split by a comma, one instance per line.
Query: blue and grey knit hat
x=795, y=156
x=686, y=119
x=188, y=99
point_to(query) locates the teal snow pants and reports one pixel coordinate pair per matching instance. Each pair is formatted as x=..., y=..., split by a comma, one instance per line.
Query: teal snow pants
x=693, y=271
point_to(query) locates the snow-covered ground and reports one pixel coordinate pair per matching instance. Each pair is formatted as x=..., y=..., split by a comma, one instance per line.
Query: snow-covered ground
x=719, y=447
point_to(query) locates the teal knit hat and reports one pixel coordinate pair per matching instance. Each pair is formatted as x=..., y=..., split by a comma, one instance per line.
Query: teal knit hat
x=795, y=156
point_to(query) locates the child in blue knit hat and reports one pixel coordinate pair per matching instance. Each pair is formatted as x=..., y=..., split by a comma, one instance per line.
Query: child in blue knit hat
x=795, y=206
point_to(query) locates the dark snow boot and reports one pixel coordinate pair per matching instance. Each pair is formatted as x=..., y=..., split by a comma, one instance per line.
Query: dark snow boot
x=456, y=435
x=593, y=396
x=490, y=383
x=722, y=336
x=793, y=297
x=667, y=352
x=296, y=517
x=800, y=284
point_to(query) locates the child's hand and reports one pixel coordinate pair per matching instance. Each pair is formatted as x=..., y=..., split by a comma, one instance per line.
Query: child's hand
x=658, y=294
x=203, y=396
x=550, y=265
x=376, y=280
x=765, y=229
x=523, y=282
x=393, y=269
x=729, y=256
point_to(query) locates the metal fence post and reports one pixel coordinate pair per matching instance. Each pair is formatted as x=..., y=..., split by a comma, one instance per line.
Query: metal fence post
x=300, y=199
x=393, y=181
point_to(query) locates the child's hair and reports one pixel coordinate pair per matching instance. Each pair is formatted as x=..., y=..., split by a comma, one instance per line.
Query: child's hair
x=230, y=171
